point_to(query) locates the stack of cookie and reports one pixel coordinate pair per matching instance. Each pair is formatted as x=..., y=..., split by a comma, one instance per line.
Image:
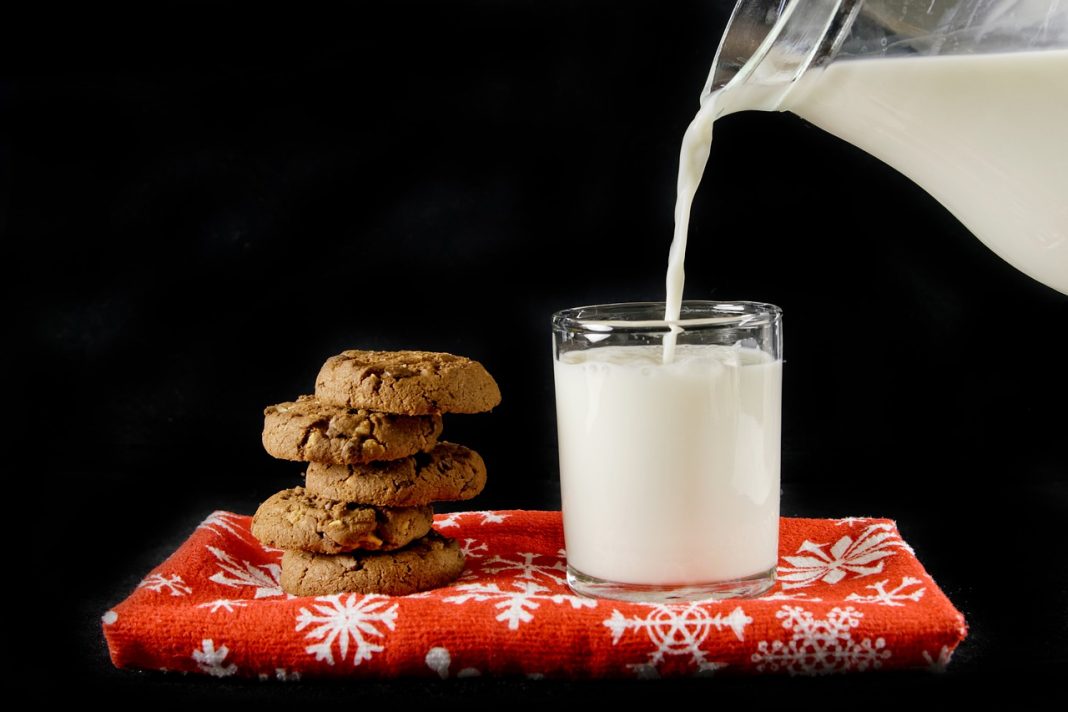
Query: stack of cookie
x=362, y=520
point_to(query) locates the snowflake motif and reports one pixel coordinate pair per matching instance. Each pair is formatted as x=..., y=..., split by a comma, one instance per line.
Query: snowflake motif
x=677, y=630
x=340, y=620
x=280, y=674
x=221, y=521
x=893, y=597
x=819, y=646
x=226, y=604
x=516, y=606
x=940, y=662
x=486, y=517
x=473, y=549
x=211, y=660
x=173, y=583
x=527, y=568
x=439, y=660
x=264, y=577
x=784, y=596
x=851, y=520
x=862, y=557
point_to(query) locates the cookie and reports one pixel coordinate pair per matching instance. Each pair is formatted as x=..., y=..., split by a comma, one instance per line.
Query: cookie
x=448, y=472
x=409, y=382
x=310, y=430
x=295, y=519
x=427, y=563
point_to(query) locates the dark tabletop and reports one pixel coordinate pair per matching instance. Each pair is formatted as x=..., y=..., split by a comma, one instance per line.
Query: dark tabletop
x=203, y=201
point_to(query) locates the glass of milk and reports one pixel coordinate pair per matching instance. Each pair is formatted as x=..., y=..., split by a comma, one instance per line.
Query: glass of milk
x=669, y=435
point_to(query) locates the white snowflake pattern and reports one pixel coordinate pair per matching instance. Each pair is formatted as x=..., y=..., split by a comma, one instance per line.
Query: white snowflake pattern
x=221, y=521
x=485, y=517
x=851, y=520
x=527, y=567
x=895, y=596
x=281, y=674
x=236, y=574
x=938, y=663
x=862, y=557
x=224, y=604
x=474, y=549
x=677, y=630
x=784, y=596
x=212, y=660
x=515, y=606
x=339, y=620
x=173, y=584
x=820, y=646
x=439, y=660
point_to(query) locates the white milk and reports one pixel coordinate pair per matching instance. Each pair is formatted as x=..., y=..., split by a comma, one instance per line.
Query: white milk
x=986, y=135
x=702, y=502
x=696, y=143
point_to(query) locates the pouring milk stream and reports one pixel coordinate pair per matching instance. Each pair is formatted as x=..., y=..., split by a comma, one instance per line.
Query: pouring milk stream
x=968, y=98
x=669, y=454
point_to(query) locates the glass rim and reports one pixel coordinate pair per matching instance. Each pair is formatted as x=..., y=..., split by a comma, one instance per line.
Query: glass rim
x=746, y=314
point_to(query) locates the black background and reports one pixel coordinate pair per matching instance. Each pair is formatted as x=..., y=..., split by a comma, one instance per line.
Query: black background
x=204, y=201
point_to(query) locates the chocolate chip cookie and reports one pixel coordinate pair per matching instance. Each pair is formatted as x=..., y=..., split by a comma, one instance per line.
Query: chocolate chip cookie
x=296, y=519
x=446, y=473
x=427, y=563
x=408, y=382
x=311, y=430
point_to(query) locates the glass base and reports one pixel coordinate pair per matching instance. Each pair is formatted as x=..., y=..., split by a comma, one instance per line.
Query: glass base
x=592, y=587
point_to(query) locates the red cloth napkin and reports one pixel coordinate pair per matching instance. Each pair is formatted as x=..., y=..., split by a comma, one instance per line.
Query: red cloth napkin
x=851, y=596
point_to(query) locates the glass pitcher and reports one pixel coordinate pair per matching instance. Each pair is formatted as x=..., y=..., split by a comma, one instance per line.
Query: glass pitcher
x=968, y=98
